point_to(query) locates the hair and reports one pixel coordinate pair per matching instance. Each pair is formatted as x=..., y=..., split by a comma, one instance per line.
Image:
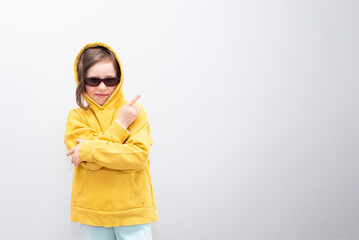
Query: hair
x=88, y=58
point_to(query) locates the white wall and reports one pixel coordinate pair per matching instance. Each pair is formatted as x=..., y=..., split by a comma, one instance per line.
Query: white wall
x=253, y=107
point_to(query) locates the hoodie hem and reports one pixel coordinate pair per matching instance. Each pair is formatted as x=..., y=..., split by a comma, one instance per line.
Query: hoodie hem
x=113, y=219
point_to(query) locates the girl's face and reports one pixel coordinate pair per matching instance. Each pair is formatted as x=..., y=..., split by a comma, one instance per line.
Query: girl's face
x=102, y=70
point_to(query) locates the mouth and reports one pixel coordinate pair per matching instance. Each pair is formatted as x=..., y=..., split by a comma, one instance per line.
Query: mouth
x=101, y=95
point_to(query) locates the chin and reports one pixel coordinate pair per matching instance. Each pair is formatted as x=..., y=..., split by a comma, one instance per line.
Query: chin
x=100, y=102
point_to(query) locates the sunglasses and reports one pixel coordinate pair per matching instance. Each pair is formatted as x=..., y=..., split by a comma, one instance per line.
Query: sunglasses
x=109, y=82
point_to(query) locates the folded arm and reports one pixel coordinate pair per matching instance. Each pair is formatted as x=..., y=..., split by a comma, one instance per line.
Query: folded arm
x=115, y=148
x=129, y=156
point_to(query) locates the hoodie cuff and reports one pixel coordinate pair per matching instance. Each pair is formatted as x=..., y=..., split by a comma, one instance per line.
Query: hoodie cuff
x=117, y=132
x=121, y=125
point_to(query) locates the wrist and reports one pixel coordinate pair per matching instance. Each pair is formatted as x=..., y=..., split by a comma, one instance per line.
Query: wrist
x=125, y=126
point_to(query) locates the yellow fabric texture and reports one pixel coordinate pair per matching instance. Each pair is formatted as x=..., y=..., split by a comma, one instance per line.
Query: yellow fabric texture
x=112, y=186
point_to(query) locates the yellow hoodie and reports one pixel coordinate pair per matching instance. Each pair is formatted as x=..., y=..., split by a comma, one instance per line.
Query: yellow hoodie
x=112, y=186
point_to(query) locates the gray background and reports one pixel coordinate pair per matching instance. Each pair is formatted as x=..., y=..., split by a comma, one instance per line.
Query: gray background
x=253, y=107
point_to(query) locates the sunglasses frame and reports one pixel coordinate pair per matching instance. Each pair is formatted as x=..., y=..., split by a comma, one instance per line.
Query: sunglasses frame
x=99, y=80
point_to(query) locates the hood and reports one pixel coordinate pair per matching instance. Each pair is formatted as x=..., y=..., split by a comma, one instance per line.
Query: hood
x=117, y=98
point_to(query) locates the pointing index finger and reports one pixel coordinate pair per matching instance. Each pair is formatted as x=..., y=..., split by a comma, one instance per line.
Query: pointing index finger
x=133, y=100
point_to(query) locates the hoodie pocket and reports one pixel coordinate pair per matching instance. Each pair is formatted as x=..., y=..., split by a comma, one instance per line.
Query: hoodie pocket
x=136, y=188
x=109, y=190
x=78, y=183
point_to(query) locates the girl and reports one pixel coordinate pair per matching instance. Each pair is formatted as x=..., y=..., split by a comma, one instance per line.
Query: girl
x=109, y=140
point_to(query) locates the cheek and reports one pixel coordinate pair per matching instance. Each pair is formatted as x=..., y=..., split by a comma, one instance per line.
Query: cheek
x=88, y=89
x=112, y=89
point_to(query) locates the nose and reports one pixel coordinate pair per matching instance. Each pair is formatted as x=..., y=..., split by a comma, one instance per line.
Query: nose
x=102, y=86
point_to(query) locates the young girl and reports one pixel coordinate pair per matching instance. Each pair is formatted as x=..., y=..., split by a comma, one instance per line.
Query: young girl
x=109, y=140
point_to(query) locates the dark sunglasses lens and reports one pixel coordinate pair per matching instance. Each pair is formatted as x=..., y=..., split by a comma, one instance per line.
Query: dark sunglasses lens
x=92, y=81
x=111, y=82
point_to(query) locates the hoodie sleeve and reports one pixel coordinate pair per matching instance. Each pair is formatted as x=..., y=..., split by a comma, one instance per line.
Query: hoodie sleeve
x=116, y=148
x=76, y=128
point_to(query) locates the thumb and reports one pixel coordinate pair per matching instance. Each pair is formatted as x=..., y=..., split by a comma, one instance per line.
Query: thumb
x=79, y=140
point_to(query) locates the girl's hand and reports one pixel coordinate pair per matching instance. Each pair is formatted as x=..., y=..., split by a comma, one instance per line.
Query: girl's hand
x=75, y=153
x=129, y=112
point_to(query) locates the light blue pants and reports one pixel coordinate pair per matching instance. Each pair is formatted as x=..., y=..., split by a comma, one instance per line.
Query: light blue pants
x=133, y=232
